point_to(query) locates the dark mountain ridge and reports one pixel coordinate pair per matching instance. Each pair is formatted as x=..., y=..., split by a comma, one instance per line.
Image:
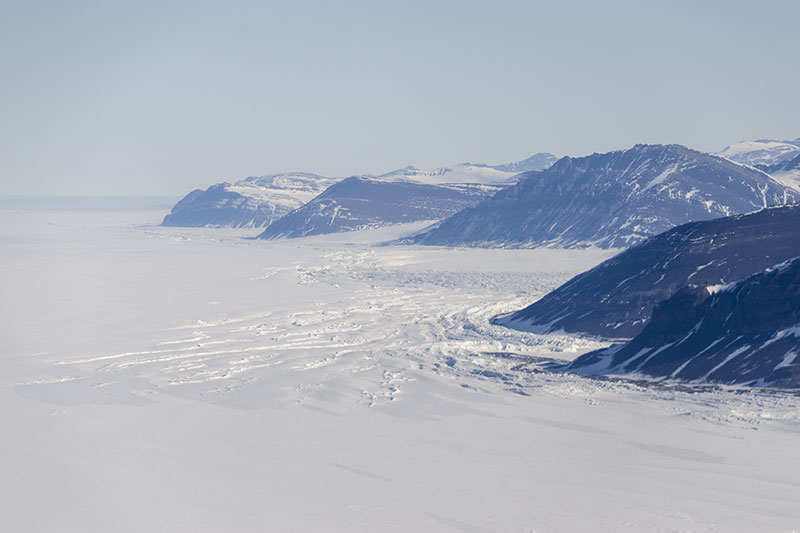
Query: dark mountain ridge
x=616, y=298
x=745, y=333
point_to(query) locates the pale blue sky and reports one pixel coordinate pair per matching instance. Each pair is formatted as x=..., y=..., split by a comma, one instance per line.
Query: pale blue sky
x=162, y=97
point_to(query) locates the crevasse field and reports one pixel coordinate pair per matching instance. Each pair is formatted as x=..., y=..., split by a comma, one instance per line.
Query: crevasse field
x=186, y=380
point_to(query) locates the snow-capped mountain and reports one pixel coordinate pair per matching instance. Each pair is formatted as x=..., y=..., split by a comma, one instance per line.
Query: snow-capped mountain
x=251, y=202
x=461, y=173
x=762, y=152
x=616, y=298
x=743, y=333
x=538, y=161
x=609, y=200
x=258, y=201
x=474, y=172
x=361, y=203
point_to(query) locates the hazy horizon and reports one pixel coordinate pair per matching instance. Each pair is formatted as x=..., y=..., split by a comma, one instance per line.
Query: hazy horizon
x=156, y=100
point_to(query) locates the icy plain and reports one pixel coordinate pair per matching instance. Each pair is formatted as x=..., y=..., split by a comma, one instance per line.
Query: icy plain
x=168, y=379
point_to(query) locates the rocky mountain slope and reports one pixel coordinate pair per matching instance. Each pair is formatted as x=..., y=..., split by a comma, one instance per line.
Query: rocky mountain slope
x=744, y=333
x=609, y=200
x=361, y=203
x=616, y=298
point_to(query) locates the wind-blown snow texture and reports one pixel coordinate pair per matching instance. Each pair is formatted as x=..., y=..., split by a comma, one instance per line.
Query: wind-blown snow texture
x=362, y=203
x=616, y=298
x=252, y=202
x=258, y=201
x=610, y=200
x=744, y=333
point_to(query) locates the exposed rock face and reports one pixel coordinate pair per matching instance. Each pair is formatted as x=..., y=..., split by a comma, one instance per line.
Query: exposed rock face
x=743, y=333
x=610, y=200
x=616, y=298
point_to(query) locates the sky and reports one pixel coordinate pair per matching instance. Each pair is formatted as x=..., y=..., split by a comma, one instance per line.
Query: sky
x=158, y=98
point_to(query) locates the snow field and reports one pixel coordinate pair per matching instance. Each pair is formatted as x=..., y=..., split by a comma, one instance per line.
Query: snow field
x=190, y=380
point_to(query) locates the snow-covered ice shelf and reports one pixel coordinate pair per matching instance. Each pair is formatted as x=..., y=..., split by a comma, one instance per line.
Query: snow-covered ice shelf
x=190, y=380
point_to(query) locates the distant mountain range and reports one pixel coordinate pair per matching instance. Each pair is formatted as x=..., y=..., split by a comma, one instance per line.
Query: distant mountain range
x=616, y=298
x=746, y=333
x=607, y=200
x=362, y=203
x=259, y=201
x=779, y=159
x=762, y=152
x=615, y=199
x=474, y=172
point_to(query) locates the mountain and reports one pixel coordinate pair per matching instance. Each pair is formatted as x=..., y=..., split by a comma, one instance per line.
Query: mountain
x=609, y=200
x=539, y=161
x=744, y=333
x=360, y=203
x=473, y=172
x=252, y=202
x=258, y=201
x=779, y=159
x=761, y=152
x=461, y=173
x=616, y=298
x=615, y=199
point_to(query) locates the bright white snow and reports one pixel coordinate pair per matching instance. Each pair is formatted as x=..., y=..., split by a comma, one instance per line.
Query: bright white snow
x=162, y=379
